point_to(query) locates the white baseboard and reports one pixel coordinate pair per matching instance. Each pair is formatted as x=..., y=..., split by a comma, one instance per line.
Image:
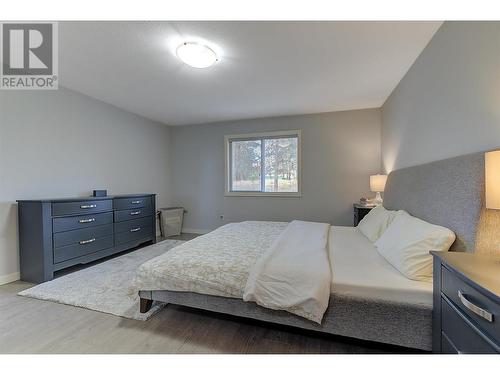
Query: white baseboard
x=5, y=279
x=195, y=231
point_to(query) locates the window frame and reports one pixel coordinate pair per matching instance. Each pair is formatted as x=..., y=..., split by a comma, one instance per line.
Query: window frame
x=261, y=136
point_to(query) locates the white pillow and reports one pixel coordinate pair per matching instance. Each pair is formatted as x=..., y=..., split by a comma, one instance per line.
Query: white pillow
x=407, y=242
x=376, y=222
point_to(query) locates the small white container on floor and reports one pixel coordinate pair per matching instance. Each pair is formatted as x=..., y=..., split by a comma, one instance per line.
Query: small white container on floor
x=171, y=221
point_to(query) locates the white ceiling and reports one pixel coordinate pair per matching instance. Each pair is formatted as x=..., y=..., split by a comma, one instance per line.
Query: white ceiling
x=265, y=68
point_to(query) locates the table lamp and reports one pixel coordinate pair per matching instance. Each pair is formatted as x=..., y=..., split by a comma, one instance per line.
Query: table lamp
x=377, y=185
x=492, y=179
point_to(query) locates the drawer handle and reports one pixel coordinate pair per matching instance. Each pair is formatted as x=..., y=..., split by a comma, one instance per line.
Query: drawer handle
x=135, y=202
x=84, y=242
x=88, y=206
x=87, y=220
x=135, y=229
x=135, y=213
x=475, y=309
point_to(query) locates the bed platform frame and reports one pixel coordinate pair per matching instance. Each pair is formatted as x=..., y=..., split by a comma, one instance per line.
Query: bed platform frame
x=447, y=192
x=392, y=323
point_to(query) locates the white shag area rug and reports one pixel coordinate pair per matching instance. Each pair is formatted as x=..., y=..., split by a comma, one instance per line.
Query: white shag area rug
x=105, y=287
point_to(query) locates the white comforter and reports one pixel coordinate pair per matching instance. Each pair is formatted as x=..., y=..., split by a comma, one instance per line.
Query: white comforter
x=294, y=274
x=216, y=263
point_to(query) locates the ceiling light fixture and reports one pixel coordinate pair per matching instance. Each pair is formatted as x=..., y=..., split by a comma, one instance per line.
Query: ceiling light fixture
x=196, y=55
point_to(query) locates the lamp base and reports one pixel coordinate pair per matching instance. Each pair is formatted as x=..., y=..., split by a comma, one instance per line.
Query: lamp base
x=378, y=199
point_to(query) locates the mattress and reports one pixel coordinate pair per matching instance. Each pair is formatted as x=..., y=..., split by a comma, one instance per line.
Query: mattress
x=219, y=263
x=358, y=270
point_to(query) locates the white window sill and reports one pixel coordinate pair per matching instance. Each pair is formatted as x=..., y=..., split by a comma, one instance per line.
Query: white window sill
x=260, y=194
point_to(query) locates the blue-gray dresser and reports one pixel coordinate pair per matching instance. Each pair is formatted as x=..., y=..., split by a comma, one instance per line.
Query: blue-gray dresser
x=58, y=233
x=466, y=305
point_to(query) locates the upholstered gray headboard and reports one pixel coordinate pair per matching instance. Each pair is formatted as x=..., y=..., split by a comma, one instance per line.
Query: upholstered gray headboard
x=446, y=192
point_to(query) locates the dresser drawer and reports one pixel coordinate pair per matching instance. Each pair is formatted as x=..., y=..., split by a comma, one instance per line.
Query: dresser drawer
x=125, y=226
x=131, y=203
x=75, y=236
x=447, y=346
x=81, y=207
x=461, y=335
x=61, y=224
x=471, y=302
x=133, y=234
x=90, y=245
x=132, y=214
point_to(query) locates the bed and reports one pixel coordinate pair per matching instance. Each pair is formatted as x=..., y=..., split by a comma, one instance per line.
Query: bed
x=369, y=299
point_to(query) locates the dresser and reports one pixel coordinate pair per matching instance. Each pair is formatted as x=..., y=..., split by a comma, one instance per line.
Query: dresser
x=360, y=212
x=58, y=233
x=466, y=305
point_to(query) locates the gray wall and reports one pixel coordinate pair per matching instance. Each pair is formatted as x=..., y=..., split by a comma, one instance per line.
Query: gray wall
x=448, y=103
x=61, y=143
x=339, y=151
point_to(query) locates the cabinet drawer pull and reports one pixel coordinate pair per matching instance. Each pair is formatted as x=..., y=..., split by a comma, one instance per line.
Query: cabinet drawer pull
x=88, y=206
x=135, y=213
x=87, y=241
x=475, y=309
x=135, y=202
x=87, y=220
x=135, y=229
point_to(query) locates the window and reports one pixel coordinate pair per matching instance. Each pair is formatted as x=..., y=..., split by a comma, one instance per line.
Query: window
x=263, y=164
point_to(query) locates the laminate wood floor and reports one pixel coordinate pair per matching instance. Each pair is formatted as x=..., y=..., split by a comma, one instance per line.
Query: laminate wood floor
x=33, y=326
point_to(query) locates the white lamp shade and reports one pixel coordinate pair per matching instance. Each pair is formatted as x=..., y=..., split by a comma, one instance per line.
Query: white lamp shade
x=377, y=182
x=492, y=179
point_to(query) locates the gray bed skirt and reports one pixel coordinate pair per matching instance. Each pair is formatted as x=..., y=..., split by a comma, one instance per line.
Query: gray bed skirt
x=407, y=325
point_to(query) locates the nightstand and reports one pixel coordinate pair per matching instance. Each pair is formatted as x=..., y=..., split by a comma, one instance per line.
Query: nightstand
x=360, y=212
x=466, y=303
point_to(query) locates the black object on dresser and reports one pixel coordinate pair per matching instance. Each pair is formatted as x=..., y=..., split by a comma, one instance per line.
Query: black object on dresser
x=466, y=303
x=59, y=233
x=360, y=212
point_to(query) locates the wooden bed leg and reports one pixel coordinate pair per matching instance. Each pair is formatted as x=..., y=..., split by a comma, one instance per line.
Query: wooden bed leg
x=145, y=305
